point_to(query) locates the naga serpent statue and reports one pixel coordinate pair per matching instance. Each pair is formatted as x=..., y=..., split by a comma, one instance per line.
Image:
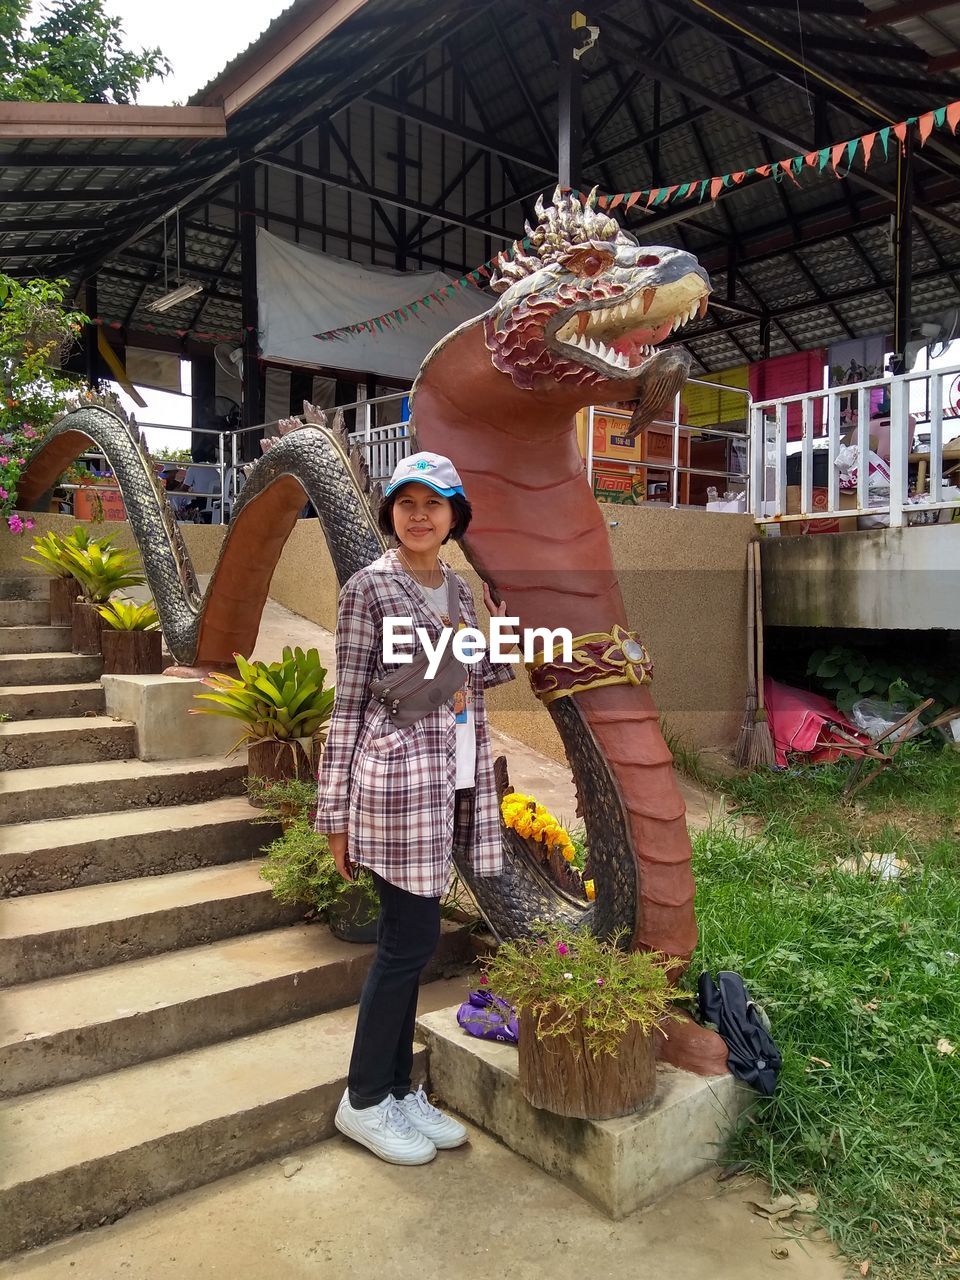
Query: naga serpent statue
x=581, y=310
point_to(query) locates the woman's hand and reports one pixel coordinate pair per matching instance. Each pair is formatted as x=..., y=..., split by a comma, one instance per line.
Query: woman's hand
x=338, y=847
x=498, y=611
x=494, y=610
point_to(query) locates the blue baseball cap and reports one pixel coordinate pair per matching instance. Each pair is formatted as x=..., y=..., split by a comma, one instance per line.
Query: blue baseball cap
x=432, y=469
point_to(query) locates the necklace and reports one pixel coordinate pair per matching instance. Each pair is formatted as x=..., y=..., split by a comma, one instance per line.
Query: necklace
x=416, y=575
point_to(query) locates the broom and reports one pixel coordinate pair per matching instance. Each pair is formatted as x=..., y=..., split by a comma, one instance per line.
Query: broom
x=761, y=742
x=741, y=752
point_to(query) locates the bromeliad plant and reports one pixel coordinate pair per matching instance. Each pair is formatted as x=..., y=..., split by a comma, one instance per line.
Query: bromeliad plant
x=127, y=615
x=52, y=553
x=560, y=980
x=274, y=701
x=102, y=570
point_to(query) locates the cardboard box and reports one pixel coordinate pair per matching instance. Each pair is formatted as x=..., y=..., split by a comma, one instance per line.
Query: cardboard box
x=836, y=524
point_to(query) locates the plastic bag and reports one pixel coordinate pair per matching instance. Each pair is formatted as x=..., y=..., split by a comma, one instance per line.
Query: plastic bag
x=875, y=718
x=488, y=1017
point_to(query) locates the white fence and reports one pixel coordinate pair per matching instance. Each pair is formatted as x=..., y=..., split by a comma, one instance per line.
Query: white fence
x=819, y=423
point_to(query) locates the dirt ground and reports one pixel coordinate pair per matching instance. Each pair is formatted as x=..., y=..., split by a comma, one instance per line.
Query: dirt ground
x=477, y=1213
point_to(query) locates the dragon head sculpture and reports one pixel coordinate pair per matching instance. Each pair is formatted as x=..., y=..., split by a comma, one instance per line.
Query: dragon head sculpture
x=583, y=305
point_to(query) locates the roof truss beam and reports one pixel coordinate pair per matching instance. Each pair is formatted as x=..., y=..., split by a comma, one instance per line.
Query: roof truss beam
x=385, y=197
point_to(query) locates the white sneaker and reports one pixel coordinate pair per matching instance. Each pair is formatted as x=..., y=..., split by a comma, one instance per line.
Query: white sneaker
x=442, y=1130
x=384, y=1130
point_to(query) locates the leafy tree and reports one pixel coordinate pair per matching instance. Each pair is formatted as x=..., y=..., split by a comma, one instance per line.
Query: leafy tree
x=73, y=53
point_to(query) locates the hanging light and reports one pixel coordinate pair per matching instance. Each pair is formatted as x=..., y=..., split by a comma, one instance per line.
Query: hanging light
x=189, y=289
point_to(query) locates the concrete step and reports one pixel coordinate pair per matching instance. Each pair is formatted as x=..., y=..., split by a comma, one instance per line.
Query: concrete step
x=36, y=743
x=64, y=853
x=90, y=1152
x=24, y=586
x=62, y=791
x=48, y=668
x=70, y=1028
x=51, y=701
x=24, y=613
x=74, y=930
x=32, y=639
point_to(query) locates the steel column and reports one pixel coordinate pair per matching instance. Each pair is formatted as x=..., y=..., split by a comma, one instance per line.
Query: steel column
x=251, y=412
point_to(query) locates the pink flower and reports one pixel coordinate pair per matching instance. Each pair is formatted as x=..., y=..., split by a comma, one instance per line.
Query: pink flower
x=28, y=524
x=483, y=979
x=21, y=462
x=4, y=495
x=15, y=524
x=4, y=460
x=562, y=948
x=29, y=432
x=599, y=982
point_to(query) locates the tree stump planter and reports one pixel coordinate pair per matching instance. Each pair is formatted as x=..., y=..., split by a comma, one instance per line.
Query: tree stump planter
x=131, y=653
x=63, y=592
x=86, y=627
x=559, y=1074
x=276, y=761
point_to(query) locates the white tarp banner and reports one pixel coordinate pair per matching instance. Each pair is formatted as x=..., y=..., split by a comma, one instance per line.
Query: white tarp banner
x=302, y=292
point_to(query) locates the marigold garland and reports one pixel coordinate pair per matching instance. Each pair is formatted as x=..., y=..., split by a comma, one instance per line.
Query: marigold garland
x=533, y=822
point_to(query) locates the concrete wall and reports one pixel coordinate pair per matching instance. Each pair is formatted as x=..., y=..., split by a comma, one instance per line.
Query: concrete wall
x=203, y=540
x=682, y=574
x=683, y=579
x=883, y=579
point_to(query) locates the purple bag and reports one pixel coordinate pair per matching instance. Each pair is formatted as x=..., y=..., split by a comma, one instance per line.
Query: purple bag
x=488, y=1017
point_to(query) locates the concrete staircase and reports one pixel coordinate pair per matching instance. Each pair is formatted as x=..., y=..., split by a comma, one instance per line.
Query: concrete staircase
x=164, y=1022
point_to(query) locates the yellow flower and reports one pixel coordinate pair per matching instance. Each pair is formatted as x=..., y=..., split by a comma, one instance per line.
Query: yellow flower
x=590, y=890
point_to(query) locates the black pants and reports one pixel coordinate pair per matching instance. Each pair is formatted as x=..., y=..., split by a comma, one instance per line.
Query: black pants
x=382, y=1060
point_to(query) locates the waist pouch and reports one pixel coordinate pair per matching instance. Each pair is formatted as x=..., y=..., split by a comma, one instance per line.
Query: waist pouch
x=408, y=694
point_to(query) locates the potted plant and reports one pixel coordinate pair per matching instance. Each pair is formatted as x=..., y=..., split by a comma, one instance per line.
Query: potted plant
x=588, y=1012
x=101, y=570
x=300, y=868
x=284, y=706
x=131, y=642
x=51, y=554
x=282, y=800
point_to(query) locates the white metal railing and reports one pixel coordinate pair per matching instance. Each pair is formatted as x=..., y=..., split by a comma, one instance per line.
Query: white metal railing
x=673, y=468
x=827, y=422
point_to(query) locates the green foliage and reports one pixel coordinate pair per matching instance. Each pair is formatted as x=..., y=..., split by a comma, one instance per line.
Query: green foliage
x=127, y=615
x=300, y=868
x=173, y=455
x=74, y=53
x=561, y=976
x=283, y=799
x=101, y=570
x=53, y=552
x=860, y=975
x=275, y=700
x=35, y=331
x=848, y=675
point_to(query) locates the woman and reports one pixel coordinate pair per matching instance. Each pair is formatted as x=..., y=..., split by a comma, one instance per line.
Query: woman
x=398, y=800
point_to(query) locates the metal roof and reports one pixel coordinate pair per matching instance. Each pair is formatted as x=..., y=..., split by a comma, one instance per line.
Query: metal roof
x=418, y=132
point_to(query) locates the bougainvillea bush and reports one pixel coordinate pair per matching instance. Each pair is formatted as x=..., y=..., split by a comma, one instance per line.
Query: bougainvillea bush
x=36, y=331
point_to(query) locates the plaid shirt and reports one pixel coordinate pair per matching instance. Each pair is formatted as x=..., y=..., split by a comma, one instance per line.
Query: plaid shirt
x=393, y=790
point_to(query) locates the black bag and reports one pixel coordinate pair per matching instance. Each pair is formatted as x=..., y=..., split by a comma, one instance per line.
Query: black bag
x=754, y=1058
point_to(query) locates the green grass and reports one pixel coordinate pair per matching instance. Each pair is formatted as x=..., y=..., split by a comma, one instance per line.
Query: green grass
x=862, y=974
